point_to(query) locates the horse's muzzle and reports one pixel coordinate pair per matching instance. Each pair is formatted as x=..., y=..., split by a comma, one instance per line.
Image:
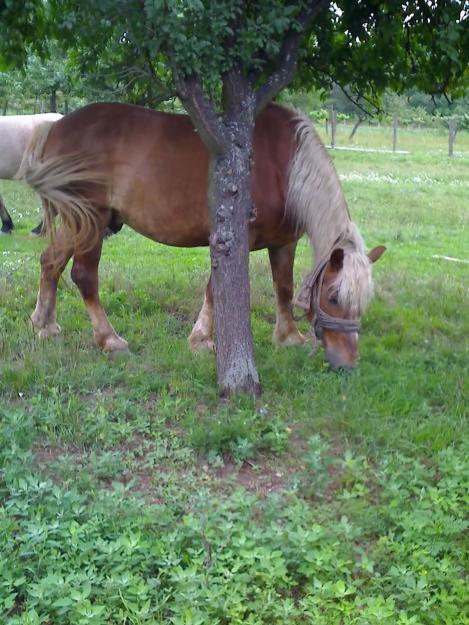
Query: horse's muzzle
x=341, y=351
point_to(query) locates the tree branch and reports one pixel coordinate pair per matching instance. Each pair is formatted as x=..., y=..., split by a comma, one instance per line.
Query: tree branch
x=238, y=96
x=354, y=100
x=200, y=108
x=288, y=55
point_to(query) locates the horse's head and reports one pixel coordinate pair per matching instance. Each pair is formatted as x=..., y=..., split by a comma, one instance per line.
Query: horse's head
x=340, y=294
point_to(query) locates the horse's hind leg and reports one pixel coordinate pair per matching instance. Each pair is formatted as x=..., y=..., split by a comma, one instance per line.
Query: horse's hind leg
x=85, y=276
x=281, y=261
x=201, y=337
x=39, y=229
x=53, y=262
x=7, y=223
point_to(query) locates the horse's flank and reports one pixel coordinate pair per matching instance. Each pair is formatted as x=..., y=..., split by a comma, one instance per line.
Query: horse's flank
x=55, y=180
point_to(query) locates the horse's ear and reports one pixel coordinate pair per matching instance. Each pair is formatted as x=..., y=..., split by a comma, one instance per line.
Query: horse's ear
x=337, y=259
x=376, y=253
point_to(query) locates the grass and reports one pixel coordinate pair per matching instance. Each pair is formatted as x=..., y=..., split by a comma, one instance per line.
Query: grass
x=128, y=494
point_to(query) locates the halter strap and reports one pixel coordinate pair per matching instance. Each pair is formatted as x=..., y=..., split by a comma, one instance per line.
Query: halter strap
x=324, y=321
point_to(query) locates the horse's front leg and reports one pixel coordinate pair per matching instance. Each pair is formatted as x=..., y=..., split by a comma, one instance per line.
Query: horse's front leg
x=201, y=337
x=85, y=275
x=53, y=262
x=281, y=261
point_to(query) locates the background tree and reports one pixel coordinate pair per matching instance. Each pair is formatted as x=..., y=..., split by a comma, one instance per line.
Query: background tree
x=11, y=89
x=226, y=60
x=45, y=77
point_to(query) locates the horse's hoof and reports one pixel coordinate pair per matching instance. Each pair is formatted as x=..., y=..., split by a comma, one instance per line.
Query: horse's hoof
x=52, y=329
x=114, y=345
x=198, y=344
x=295, y=338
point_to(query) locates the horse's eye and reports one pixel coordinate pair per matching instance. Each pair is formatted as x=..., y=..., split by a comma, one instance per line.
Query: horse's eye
x=333, y=300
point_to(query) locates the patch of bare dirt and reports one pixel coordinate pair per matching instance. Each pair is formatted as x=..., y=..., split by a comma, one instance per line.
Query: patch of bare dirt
x=261, y=476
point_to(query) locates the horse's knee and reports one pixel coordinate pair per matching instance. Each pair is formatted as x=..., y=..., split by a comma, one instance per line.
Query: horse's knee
x=49, y=268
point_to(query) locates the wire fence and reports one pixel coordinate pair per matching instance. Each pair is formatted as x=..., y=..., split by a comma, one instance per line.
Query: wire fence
x=446, y=136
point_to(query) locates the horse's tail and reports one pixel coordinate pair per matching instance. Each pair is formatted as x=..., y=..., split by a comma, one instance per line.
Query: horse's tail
x=63, y=183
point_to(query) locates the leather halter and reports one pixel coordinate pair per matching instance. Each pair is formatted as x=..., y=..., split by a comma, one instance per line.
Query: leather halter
x=324, y=321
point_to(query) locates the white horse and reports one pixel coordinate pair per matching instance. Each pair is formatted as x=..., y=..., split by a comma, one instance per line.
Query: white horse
x=15, y=134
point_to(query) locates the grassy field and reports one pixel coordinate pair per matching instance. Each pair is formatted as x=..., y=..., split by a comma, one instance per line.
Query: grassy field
x=129, y=495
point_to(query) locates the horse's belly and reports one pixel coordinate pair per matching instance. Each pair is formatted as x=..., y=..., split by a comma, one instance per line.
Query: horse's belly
x=181, y=228
x=186, y=237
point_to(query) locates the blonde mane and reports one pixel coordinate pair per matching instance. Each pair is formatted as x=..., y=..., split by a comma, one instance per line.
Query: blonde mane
x=316, y=202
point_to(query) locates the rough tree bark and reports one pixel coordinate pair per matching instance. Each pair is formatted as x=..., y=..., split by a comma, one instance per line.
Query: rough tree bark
x=230, y=206
x=229, y=142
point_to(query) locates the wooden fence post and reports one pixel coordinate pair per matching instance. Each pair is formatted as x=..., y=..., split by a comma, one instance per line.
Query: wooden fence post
x=333, y=119
x=395, y=123
x=452, y=136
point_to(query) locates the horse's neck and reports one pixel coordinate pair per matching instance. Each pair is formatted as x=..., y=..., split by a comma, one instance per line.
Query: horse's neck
x=315, y=197
x=344, y=235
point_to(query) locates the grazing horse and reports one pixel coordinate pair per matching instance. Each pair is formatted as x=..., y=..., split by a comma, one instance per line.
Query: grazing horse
x=15, y=134
x=151, y=169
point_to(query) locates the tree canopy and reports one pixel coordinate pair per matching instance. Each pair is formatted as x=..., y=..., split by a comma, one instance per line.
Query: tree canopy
x=365, y=46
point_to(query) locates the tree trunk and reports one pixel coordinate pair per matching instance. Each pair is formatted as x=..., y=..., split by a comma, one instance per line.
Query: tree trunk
x=230, y=209
x=451, y=136
x=53, y=101
x=359, y=121
x=333, y=120
x=395, y=123
x=66, y=106
x=228, y=140
x=5, y=106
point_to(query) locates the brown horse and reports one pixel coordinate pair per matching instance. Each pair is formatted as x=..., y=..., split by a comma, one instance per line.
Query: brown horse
x=150, y=169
